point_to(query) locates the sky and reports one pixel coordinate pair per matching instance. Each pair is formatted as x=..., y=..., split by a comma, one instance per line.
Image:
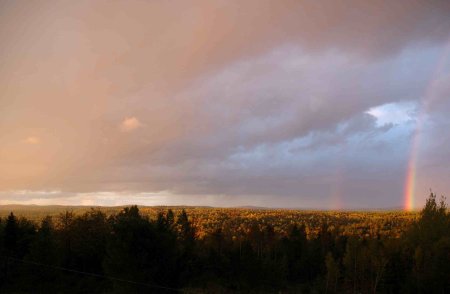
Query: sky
x=294, y=104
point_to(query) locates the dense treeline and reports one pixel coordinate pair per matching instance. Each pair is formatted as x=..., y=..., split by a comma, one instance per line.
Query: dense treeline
x=128, y=252
x=240, y=220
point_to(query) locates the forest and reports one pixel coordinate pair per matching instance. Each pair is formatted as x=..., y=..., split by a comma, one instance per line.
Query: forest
x=208, y=250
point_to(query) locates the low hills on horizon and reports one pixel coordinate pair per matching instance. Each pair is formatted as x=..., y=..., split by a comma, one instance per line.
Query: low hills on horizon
x=181, y=206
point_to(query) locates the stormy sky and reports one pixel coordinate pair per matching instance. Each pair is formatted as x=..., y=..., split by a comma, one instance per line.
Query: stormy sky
x=305, y=104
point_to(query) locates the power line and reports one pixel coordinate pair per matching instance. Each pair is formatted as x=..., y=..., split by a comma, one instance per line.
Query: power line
x=93, y=274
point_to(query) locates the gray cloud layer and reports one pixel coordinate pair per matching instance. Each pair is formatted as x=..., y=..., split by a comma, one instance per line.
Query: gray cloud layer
x=262, y=102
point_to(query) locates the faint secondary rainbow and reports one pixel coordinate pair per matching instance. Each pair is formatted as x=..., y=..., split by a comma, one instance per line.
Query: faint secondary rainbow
x=411, y=172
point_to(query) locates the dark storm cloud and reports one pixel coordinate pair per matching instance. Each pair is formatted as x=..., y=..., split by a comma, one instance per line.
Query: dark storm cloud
x=259, y=101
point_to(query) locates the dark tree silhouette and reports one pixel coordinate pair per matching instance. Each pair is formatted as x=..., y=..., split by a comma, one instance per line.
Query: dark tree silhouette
x=129, y=252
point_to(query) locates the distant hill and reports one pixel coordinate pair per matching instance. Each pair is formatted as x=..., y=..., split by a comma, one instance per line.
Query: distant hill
x=253, y=207
x=37, y=212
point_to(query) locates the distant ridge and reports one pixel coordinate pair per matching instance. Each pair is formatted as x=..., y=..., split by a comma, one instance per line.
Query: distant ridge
x=20, y=207
x=99, y=206
x=252, y=207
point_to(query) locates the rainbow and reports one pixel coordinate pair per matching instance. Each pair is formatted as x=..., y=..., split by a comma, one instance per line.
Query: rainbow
x=410, y=182
x=411, y=172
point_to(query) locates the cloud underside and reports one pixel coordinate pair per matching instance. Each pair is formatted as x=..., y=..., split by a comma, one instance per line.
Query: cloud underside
x=309, y=103
x=130, y=124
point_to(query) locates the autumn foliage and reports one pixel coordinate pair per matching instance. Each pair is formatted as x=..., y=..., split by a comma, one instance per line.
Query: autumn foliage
x=208, y=250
